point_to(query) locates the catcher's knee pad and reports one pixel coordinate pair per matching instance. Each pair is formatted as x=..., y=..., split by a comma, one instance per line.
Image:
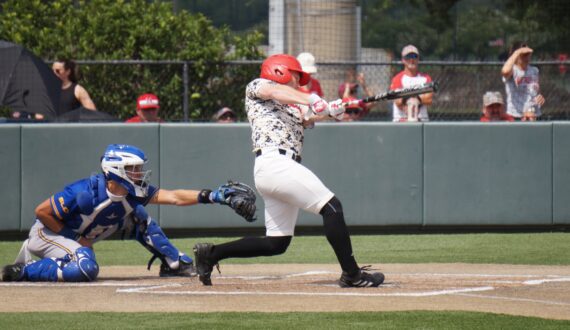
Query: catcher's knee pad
x=333, y=206
x=82, y=268
x=279, y=244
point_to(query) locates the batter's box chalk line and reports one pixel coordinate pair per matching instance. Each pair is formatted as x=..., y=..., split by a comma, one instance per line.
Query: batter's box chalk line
x=537, y=280
x=302, y=293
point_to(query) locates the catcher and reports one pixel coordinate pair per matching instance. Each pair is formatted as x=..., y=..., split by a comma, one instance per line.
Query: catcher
x=71, y=221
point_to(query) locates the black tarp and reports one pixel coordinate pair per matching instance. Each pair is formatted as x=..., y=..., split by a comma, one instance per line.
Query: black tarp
x=27, y=84
x=83, y=115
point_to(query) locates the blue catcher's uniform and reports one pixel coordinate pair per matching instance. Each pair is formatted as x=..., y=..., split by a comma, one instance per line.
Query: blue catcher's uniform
x=87, y=209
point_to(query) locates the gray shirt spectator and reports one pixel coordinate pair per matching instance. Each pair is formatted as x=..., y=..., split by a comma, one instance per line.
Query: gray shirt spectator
x=522, y=88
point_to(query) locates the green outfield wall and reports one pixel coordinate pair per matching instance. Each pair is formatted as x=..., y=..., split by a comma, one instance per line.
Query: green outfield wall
x=385, y=174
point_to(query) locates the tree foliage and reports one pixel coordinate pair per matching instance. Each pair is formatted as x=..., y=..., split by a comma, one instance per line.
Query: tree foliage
x=136, y=30
x=466, y=28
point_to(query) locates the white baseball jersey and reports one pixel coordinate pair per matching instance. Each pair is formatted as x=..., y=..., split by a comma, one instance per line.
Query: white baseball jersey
x=273, y=125
x=401, y=80
x=521, y=88
x=285, y=185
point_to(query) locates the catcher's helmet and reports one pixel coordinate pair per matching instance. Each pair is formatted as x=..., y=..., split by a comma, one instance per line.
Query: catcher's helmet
x=124, y=164
x=278, y=67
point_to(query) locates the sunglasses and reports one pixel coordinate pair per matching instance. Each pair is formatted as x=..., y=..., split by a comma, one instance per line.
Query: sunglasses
x=411, y=56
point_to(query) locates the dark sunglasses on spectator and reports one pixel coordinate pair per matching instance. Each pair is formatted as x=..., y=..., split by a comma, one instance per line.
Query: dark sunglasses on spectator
x=411, y=56
x=228, y=116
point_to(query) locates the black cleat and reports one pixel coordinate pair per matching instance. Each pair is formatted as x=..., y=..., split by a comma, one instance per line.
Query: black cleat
x=361, y=280
x=204, y=265
x=13, y=273
x=184, y=270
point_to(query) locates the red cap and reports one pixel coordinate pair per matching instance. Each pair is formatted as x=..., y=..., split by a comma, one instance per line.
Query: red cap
x=147, y=101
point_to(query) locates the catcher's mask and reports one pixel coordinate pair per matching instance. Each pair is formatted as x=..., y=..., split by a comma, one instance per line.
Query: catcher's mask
x=124, y=164
x=278, y=68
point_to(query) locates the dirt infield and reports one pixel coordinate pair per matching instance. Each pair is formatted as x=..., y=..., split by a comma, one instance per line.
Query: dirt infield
x=542, y=291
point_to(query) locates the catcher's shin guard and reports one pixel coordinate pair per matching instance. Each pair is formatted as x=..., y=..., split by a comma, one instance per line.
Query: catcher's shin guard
x=151, y=236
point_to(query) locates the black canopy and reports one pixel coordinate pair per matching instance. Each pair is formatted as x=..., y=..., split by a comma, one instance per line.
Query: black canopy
x=26, y=82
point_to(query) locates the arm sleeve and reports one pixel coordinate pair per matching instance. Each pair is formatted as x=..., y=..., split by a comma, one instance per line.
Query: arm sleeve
x=252, y=89
x=63, y=204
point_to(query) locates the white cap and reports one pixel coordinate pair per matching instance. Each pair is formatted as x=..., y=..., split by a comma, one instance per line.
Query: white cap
x=492, y=98
x=307, y=61
x=409, y=49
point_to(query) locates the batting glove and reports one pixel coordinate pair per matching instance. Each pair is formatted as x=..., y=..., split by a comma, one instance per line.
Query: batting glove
x=336, y=109
x=318, y=105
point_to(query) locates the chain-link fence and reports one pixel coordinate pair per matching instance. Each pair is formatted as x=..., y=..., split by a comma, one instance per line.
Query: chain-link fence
x=462, y=85
x=186, y=95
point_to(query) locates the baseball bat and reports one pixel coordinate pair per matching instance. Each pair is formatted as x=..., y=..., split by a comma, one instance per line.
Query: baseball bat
x=431, y=87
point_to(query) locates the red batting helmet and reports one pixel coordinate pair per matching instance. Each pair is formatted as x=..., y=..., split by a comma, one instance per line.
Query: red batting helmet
x=277, y=67
x=147, y=101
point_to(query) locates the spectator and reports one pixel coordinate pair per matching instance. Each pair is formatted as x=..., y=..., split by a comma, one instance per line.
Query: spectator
x=355, y=112
x=73, y=95
x=494, y=108
x=307, y=61
x=351, y=83
x=147, y=110
x=225, y=115
x=522, y=85
x=412, y=108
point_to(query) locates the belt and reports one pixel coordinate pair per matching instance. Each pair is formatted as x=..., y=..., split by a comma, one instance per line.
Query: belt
x=283, y=152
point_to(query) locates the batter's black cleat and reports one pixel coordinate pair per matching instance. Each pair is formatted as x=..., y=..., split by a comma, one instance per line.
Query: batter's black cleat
x=361, y=280
x=13, y=273
x=204, y=264
x=184, y=270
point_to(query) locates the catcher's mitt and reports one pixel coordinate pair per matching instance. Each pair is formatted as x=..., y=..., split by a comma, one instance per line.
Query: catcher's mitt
x=241, y=198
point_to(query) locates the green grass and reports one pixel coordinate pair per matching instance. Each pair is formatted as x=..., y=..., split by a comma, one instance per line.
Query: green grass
x=530, y=249
x=361, y=320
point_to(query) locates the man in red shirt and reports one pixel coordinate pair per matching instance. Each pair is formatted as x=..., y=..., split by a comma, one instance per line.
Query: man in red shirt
x=412, y=108
x=494, y=108
x=147, y=110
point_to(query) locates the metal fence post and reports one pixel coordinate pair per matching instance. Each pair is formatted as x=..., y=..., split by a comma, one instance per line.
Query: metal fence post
x=185, y=93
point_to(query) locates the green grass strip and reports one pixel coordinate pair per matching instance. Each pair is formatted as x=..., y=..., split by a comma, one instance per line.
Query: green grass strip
x=354, y=320
x=525, y=249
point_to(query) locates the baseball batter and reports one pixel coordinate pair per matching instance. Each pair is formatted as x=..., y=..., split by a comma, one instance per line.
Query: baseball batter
x=277, y=123
x=71, y=221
